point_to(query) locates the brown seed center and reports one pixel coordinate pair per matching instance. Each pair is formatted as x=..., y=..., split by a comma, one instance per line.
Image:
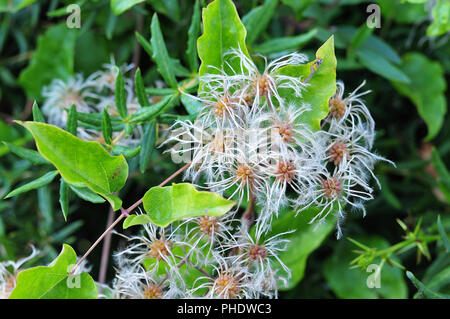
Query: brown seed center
x=285, y=171
x=159, y=248
x=152, y=292
x=332, y=187
x=337, y=152
x=208, y=225
x=337, y=107
x=227, y=286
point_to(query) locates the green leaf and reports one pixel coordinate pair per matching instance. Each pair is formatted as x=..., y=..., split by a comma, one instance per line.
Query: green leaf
x=140, y=89
x=86, y=194
x=322, y=83
x=148, y=143
x=422, y=289
x=441, y=19
x=426, y=90
x=360, y=36
x=258, y=18
x=275, y=45
x=170, y=8
x=53, y=59
x=145, y=44
x=303, y=241
x=191, y=105
x=127, y=152
x=443, y=235
x=54, y=281
x=121, y=98
x=348, y=282
x=145, y=114
x=64, y=198
x=94, y=120
x=106, y=127
x=164, y=205
x=443, y=175
x=25, y=153
x=79, y=162
x=160, y=54
x=120, y=6
x=193, y=33
x=379, y=65
x=72, y=121
x=37, y=114
x=15, y=5
x=440, y=281
x=37, y=183
x=222, y=31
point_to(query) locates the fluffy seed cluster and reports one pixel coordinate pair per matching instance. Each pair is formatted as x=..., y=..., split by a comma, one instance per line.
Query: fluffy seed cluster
x=91, y=95
x=250, y=144
x=9, y=271
x=224, y=260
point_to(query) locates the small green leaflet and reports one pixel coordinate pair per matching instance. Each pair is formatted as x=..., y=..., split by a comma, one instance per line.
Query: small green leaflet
x=222, y=31
x=322, y=83
x=54, y=281
x=164, y=205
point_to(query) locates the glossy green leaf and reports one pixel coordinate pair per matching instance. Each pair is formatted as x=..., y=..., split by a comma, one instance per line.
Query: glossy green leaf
x=25, y=153
x=37, y=183
x=347, y=282
x=120, y=6
x=79, y=162
x=285, y=43
x=258, y=18
x=140, y=89
x=148, y=143
x=193, y=33
x=303, y=241
x=121, y=98
x=160, y=54
x=164, y=205
x=54, y=281
x=53, y=59
x=64, y=198
x=322, y=83
x=222, y=31
x=426, y=90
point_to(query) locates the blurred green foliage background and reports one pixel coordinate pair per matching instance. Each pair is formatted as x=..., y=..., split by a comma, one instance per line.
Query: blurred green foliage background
x=406, y=63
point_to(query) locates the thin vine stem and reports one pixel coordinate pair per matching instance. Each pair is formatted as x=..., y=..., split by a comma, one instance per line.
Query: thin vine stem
x=124, y=213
